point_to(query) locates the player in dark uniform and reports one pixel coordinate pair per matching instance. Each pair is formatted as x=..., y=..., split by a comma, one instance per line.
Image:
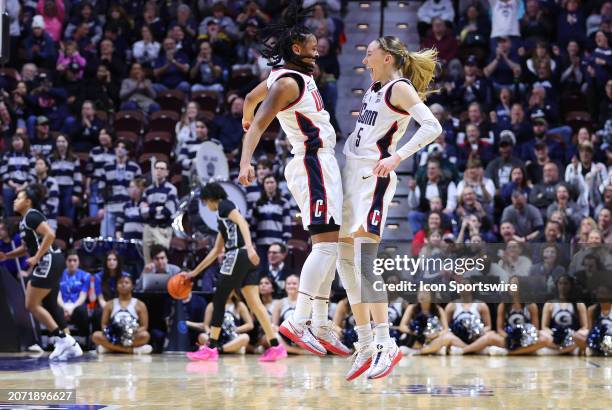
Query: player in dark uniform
x=238, y=271
x=47, y=266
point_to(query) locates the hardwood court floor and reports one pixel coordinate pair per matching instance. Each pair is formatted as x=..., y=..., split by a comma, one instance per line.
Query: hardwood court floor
x=172, y=382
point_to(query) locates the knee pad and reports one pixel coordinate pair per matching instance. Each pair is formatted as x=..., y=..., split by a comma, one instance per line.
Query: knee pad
x=317, y=267
x=348, y=275
x=366, y=251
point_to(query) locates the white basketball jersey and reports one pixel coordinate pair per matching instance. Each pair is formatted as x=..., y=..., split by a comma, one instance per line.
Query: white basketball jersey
x=379, y=126
x=305, y=121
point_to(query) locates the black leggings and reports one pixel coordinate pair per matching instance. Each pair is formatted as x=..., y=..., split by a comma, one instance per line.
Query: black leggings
x=242, y=274
x=54, y=309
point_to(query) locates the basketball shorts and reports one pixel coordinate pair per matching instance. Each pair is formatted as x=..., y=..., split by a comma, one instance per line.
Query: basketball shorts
x=315, y=182
x=48, y=272
x=366, y=197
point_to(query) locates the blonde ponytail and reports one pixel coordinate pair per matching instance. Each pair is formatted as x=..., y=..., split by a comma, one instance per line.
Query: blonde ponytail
x=419, y=67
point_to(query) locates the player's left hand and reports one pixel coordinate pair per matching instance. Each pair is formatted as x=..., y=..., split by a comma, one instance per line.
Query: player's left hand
x=385, y=166
x=33, y=261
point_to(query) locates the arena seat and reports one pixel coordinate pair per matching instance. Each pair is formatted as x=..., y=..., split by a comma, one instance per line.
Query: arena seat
x=132, y=121
x=171, y=100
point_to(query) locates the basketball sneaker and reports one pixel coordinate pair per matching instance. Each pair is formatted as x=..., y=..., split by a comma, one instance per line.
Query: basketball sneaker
x=363, y=358
x=65, y=348
x=273, y=354
x=301, y=334
x=386, y=356
x=144, y=349
x=329, y=340
x=205, y=353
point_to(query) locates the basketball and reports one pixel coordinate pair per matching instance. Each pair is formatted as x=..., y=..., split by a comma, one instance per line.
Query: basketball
x=179, y=287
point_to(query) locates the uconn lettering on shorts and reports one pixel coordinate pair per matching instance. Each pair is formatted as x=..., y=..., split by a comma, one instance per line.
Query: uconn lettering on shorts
x=316, y=182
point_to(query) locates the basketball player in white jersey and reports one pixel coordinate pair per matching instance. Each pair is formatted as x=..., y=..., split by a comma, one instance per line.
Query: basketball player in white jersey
x=400, y=83
x=313, y=177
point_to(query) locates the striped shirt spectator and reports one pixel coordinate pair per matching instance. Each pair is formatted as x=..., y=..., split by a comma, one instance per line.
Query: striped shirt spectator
x=115, y=180
x=66, y=169
x=162, y=201
x=98, y=158
x=50, y=207
x=130, y=222
x=271, y=217
x=15, y=168
x=190, y=147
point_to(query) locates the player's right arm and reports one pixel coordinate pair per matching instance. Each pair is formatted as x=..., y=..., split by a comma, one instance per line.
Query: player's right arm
x=210, y=258
x=282, y=93
x=257, y=95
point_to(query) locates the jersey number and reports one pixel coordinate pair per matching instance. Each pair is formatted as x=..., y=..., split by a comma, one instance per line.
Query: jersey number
x=358, y=137
x=317, y=99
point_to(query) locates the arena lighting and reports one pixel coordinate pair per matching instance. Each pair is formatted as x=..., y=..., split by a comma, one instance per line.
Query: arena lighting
x=402, y=26
x=361, y=47
x=364, y=5
x=358, y=91
x=363, y=26
x=359, y=69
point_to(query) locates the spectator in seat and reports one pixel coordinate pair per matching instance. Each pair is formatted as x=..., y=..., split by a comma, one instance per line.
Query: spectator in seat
x=504, y=66
x=125, y=304
x=66, y=169
x=254, y=191
x=189, y=152
x=87, y=16
x=473, y=87
x=52, y=12
x=171, y=69
x=185, y=21
x=9, y=241
x=535, y=169
x=540, y=134
x=483, y=187
x=504, y=21
x=535, y=24
x=146, y=51
x=270, y=219
x=50, y=207
x=422, y=192
x=519, y=124
x=468, y=204
x=585, y=176
x=571, y=23
x=70, y=60
x=572, y=211
x=512, y=263
x=434, y=9
x=185, y=129
x=606, y=200
x=207, y=71
x=114, y=62
x=39, y=46
x=518, y=180
x=151, y=18
x=525, y=217
x=500, y=168
x=247, y=47
x=443, y=40
x=130, y=222
x=228, y=128
x=84, y=134
x=159, y=255
x=277, y=270
x=158, y=207
x=51, y=102
x=544, y=193
x=102, y=90
x=113, y=185
x=604, y=224
x=17, y=164
x=137, y=92
x=183, y=42
x=74, y=289
x=99, y=156
x=434, y=223
x=106, y=280
x=473, y=147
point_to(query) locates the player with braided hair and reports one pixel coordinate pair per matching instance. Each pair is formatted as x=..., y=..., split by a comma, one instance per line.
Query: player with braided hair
x=313, y=176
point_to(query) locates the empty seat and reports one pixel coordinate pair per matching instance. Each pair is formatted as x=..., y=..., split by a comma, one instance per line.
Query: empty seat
x=398, y=208
x=171, y=100
x=163, y=121
x=132, y=121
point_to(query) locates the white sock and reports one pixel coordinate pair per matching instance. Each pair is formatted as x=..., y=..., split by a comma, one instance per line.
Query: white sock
x=314, y=274
x=320, y=308
x=364, y=333
x=381, y=333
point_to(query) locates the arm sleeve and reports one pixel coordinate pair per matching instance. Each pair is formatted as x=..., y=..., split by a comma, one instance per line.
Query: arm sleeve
x=430, y=130
x=225, y=207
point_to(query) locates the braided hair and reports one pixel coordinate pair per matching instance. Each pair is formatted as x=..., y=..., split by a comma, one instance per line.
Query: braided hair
x=279, y=37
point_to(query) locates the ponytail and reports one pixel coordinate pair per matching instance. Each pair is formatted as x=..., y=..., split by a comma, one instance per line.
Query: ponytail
x=419, y=66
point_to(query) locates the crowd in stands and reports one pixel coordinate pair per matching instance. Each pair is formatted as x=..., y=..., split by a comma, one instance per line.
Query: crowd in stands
x=94, y=89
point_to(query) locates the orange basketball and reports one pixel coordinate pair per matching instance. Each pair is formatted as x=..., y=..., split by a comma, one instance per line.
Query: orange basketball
x=179, y=287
